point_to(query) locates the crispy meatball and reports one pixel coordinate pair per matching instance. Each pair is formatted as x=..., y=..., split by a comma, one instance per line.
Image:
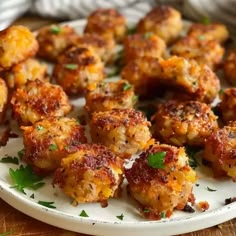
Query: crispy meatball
x=30, y=69
x=37, y=100
x=203, y=51
x=47, y=141
x=108, y=23
x=184, y=123
x=143, y=74
x=138, y=45
x=106, y=96
x=161, y=180
x=124, y=131
x=230, y=67
x=198, y=82
x=102, y=46
x=17, y=43
x=213, y=31
x=77, y=68
x=220, y=151
x=92, y=174
x=3, y=99
x=228, y=104
x=163, y=21
x=54, y=39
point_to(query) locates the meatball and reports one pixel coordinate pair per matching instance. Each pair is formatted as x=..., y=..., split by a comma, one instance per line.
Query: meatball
x=108, y=23
x=37, y=100
x=124, y=131
x=102, y=46
x=92, y=174
x=198, y=82
x=138, y=45
x=220, y=151
x=161, y=180
x=163, y=21
x=212, y=31
x=230, y=67
x=77, y=68
x=47, y=141
x=143, y=73
x=3, y=99
x=54, y=39
x=228, y=104
x=17, y=43
x=184, y=123
x=30, y=69
x=106, y=96
x=203, y=51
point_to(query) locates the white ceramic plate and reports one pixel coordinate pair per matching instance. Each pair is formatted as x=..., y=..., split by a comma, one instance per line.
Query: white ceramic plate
x=103, y=221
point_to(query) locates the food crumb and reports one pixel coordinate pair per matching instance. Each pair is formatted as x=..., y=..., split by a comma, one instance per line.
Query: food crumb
x=230, y=200
x=203, y=205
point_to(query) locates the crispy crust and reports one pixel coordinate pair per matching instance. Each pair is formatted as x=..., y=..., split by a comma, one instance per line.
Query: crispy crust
x=37, y=100
x=230, y=67
x=47, y=141
x=184, y=123
x=3, y=99
x=92, y=174
x=17, y=43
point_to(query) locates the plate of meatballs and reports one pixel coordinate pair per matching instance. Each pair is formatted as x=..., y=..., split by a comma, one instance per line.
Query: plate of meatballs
x=120, y=126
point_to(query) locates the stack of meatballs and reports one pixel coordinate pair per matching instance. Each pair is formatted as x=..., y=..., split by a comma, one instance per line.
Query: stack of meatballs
x=158, y=61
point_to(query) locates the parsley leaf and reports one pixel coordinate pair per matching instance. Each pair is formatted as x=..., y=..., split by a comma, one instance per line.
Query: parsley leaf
x=120, y=217
x=147, y=35
x=24, y=177
x=39, y=127
x=32, y=196
x=83, y=213
x=191, y=152
x=210, y=189
x=115, y=72
x=47, y=204
x=55, y=29
x=21, y=153
x=71, y=66
x=52, y=147
x=10, y=159
x=156, y=160
x=146, y=210
x=205, y=20
x=126, y=87
x=163, y=215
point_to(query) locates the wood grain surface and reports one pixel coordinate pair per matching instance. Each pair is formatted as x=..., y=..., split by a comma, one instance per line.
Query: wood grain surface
x=18, y=224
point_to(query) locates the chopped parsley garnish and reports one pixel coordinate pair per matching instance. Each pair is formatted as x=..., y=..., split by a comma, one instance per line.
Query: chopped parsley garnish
x=21, y=153
x=47, y=204
x=115, y=72
x=10, y=159
x=6, y=233
x=39, y=127
x=210, y=189
x=55, y=29
x=157, y=160
x=71, y=66
x=24, y=177
x=221, y=92
x=146, y=210
x=163, y=215
x=83, y=214
x=52, y=147
x=135, y=99
x=205, y=20
x=191, y=152
x=201, y=37
x=147, y=35
x=126, y=87
x=32, y=196
x=120, y=217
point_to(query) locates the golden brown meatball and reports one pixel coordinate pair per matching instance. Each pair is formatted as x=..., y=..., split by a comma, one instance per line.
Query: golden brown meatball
x=230, y=67
x=17, y=43
x=3, y=99
x=77, y=68
x=163, y=21
x=228, y=104
x=143, y=73
x=108, y=23
x=37, y=100
x=220, y=151
x=214, y=31
x=92, y=174
x=54, y=39
x=203, y=51
x=106, y=96
x=102, y=46
x=138, y=45
x=30, y=69
x=198, y=82
x=184, y=123
x=47, y=141
x=124, y=131
x=161, y=180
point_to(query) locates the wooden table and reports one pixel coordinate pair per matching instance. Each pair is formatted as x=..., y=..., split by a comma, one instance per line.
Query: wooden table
x=19, y=224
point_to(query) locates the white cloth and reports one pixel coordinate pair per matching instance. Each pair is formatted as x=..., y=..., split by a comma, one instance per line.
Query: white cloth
x=218, y=10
